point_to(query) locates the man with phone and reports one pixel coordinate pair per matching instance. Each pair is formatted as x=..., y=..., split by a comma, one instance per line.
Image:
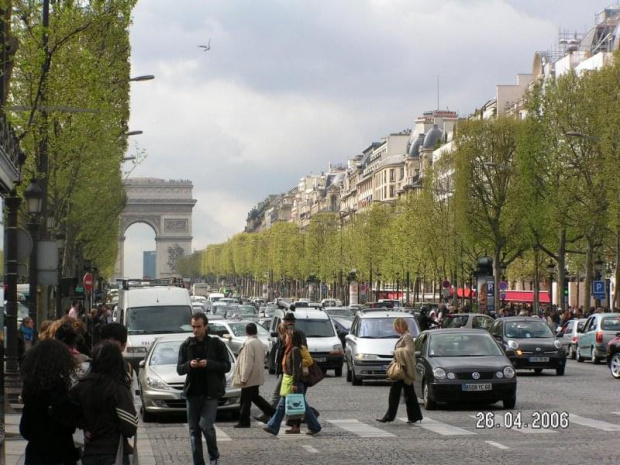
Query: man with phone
x=205, y=361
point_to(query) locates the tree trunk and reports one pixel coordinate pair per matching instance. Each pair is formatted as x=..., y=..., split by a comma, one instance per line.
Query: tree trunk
x=561, y=268
x=496, y=277
x=588, y=281
x=536, y=286
x=616, y=297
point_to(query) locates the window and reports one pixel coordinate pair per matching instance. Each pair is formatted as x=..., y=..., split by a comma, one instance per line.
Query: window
x=392, y=192
x=392, y=177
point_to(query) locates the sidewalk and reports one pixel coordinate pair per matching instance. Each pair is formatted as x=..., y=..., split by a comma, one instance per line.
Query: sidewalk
x=15, y=445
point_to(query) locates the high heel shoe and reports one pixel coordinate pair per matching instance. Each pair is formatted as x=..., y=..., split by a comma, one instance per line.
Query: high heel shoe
x=419, y=420
x=383, y=420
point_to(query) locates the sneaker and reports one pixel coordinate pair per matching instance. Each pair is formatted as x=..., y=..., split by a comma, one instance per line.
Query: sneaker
x=269, y=430
x=312, y=433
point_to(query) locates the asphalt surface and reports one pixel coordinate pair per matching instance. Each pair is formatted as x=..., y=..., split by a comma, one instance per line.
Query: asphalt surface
x=570, y=419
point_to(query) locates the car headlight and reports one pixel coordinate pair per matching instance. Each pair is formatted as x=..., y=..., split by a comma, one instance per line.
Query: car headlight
x=439, y=373
x=499, y=375
x=337, y=347
x=513, y=344
x=137, y=350
x=451, y=375
x=366, y=357
x=557, y=344
x=155, y=382
x=509, y=372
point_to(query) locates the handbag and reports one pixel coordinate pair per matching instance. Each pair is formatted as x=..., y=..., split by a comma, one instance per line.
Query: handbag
x=315, y=374
x=286, y=388
x=295, y=406
x=395, y=371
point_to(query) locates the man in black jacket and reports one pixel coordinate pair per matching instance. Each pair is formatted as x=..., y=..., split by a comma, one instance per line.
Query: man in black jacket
x=205, y=361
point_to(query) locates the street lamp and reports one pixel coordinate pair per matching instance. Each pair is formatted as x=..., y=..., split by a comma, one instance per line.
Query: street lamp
x=34, y=202
x=550, y=272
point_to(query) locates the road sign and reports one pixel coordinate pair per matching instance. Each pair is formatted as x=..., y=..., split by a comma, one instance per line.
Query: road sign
x=87, y=281
x=503, y=285
x=445, y=284
x=598, y=289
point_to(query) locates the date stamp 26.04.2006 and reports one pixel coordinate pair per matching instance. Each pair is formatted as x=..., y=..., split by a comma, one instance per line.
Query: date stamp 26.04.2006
x=519, y=420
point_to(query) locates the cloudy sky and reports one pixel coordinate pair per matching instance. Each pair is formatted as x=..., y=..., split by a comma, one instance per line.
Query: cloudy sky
x=291, y=85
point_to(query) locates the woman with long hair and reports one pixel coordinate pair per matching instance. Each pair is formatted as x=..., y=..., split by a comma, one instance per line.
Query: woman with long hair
x=49, y=416
x=404, y=355
x=107, y=406
x=291, y=363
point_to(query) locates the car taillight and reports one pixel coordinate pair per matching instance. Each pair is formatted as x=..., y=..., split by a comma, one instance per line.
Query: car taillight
x=599, y=337
x=575, y=339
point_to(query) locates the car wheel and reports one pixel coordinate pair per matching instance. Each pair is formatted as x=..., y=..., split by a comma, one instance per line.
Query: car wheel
x=355, y=381
x=560, y=371
x=146, y=416
x=509, y=402
x=349, y=377
x=538, y=370
x=338, y=372
x=614, y=365
x=595, y=359
x=578, y=356
x=571, y=352
x=429, y=403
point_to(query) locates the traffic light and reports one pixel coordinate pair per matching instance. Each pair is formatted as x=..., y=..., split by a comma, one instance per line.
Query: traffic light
x=566, y=283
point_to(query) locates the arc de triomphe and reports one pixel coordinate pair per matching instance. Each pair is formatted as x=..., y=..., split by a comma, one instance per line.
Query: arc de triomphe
x=166, y=206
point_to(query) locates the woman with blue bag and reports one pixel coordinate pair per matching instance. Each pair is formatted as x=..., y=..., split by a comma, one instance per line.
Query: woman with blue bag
x=292, y=400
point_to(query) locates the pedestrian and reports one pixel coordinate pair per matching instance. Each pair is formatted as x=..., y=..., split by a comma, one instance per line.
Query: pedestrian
x=108, y=412
x=73, y=311
x=117, y=333
x=48, y=417
x=278, y=348
x=404, y=354
x=69, y=332
x=26, y=337
x=205, y=361
x=293, y=368
x=250, y=375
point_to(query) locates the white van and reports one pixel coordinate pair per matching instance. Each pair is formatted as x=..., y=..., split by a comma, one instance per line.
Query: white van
x=323, y=342
x=150, y=312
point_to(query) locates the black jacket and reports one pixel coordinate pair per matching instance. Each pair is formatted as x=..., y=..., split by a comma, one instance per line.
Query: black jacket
x=47, y=423
x=104, y=422
x=218, y=364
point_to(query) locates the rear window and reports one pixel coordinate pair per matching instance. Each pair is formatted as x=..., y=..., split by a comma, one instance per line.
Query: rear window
x=610, y=324
x=457, y=321
x=527, y=329
x=383, y=328
x=159, y=320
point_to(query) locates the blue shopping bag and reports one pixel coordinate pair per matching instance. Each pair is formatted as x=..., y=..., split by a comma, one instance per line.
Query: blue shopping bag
x=295, y=405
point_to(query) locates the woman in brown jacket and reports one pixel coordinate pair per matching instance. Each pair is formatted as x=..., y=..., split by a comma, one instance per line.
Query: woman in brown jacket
x=404, y=354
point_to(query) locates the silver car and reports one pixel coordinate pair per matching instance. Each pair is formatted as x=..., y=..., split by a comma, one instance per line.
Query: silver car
x=233, y=334
x=161, y=388
x=598, y=330
x=569, y=334
x=370, y=344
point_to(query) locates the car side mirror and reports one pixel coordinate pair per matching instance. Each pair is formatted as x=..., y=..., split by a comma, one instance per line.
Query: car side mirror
x=142, y=363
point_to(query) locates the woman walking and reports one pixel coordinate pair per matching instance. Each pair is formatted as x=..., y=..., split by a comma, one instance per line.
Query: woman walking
x=404, y=355
x=291, y=363
x=107, y=406
x=49, y=416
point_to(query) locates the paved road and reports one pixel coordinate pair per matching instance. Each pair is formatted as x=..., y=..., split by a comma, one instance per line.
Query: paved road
x=350, y=434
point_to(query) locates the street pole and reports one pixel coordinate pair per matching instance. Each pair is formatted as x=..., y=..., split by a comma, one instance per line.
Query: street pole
x=33, y=229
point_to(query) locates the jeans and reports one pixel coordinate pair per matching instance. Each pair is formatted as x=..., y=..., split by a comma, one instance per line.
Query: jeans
x=103, y=459
x=201, y=412
x=276, y=419
x=413, y=408
x=275, y=397
x=249, y=395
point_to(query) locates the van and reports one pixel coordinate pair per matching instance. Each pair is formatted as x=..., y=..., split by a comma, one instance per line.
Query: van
x=323, y=342
x=331, y=303
x=150, y=312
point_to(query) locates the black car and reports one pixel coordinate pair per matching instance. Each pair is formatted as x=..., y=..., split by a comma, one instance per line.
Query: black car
x=530, y=344
x=463, y=365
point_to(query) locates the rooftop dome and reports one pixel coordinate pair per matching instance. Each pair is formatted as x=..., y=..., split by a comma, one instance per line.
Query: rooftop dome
x=432, y=137
x=414, y=149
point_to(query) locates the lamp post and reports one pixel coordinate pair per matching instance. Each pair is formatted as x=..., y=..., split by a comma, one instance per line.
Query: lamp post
x=60, y=243
x=598, y=267
x=608, y=274
x=416, y=291
x=34, y=198
x=378, y=286
x=550, y=272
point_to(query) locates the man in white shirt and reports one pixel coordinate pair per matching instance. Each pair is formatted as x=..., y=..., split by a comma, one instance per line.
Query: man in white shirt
x=73, y=311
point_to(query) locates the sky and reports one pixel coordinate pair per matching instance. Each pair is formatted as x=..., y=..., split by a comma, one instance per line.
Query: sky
x=289, y=86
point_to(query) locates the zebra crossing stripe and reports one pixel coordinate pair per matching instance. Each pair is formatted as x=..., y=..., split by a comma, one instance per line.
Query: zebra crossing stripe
x=497, y=444
x=361, y=429
x=597, y=424
x=221, y=435
x=441, y=428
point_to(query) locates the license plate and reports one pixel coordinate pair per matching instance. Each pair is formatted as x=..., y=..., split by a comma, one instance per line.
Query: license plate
x=319, y=360
x=477, y=387
x=539, y=359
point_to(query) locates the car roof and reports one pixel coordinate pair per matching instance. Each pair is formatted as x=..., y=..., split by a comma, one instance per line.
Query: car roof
x=521, y=318
x=456, y=331
x=385, y=314
x=309, y=313
x=453, y=315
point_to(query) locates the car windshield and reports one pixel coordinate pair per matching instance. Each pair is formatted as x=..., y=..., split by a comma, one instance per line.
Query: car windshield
x=527, y=329
x=222, y=309
x=165, y=353
x=344, y=321
x=456, y=321
x=383, y=328
x=339, y=311
x=238, y=329
x=315, y=328
x=159, y=319
x=462, y=345
x=611, y=323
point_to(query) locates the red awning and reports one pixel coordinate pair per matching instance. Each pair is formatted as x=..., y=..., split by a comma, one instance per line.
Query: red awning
x=526, y=296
